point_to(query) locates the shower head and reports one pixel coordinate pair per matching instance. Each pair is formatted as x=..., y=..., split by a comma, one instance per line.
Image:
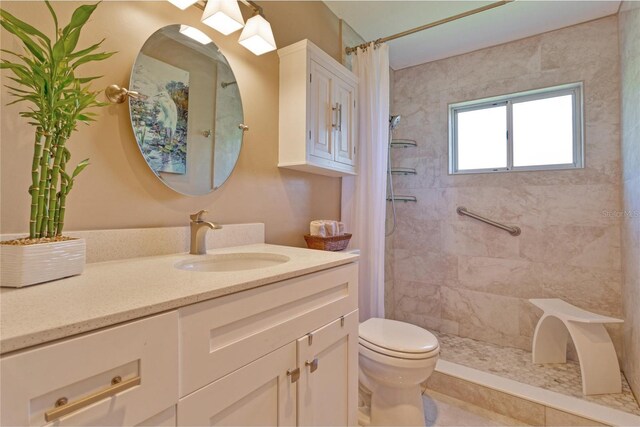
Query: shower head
x=394, y=121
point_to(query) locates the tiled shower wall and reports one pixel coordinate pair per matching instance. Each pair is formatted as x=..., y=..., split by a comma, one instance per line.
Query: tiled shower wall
x=629, y=21
x=457, y=275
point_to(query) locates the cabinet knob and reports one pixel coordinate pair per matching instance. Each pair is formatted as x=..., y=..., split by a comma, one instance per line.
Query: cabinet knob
x=313, y=365
x=61, y=402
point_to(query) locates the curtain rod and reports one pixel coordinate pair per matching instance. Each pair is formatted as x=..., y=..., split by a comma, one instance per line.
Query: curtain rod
x=350, y=50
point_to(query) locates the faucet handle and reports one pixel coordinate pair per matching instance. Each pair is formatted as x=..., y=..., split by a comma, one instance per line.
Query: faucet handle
x=197, y=217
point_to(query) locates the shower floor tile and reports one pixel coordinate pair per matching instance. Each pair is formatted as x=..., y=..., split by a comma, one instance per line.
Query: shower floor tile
x=516, y=365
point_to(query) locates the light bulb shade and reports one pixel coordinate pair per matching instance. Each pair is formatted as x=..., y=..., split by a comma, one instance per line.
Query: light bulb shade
x=182, y=4
x=195, y=34
x=223, y=16
x=257, y=36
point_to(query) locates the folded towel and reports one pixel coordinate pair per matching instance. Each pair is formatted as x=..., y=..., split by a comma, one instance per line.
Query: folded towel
x=317, y=228
x=326, y=228
x=331, y=228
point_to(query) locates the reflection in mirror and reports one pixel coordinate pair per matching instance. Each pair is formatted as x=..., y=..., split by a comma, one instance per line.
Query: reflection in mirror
x=187, y=118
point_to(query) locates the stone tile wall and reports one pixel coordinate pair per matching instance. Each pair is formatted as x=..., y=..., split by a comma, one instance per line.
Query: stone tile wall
x=456, y=275
x=629, y=32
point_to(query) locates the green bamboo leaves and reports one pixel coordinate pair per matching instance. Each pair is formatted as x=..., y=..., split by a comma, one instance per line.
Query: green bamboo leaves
x=44, y=76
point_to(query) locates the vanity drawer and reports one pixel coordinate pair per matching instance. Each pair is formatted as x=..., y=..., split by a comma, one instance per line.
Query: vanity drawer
x=143, y=354
x=224, y=334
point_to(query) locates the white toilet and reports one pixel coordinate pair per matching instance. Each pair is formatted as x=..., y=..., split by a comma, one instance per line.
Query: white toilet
x=395, y=358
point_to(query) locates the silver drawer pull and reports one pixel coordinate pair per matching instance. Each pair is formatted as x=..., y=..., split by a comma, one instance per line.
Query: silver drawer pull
x=313, y=365
x=63, y=407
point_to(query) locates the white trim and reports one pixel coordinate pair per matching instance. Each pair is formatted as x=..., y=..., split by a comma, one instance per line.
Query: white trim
x=574, y=89
x=551, y=399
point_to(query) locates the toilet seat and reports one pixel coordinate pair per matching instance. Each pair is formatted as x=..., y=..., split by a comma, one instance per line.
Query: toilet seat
x=398, y=339
x=398, y=354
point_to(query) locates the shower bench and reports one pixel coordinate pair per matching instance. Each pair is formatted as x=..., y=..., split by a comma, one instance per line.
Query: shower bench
x=598, y=361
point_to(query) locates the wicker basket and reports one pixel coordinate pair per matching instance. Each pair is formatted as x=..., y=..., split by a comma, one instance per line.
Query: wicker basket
x=335, y=243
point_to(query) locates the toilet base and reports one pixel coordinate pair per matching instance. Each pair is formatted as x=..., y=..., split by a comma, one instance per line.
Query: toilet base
x=393, y=407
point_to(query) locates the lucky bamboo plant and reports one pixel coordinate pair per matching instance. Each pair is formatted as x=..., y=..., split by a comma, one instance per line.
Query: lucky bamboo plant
x=44, y=75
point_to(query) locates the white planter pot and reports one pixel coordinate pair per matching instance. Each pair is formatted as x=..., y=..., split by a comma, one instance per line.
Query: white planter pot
x=24, y=265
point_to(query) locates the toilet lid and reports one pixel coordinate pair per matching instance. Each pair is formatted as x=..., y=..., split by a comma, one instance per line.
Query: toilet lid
x=398, y=337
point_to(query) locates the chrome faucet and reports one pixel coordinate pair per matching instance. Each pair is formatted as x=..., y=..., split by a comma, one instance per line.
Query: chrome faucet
x=199, y=230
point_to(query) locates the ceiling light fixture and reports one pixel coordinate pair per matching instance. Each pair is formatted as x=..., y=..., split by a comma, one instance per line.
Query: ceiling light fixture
x=195, y=34
x=223, y=16
x=257, y=35
x=182, y=4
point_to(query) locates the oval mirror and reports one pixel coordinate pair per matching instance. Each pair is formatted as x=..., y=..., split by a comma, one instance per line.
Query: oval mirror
x=187, y=117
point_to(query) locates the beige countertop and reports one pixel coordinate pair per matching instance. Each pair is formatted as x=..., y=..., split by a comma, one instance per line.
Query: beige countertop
x=112, y=292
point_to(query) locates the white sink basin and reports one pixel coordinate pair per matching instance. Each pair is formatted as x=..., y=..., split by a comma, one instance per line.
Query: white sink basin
x=231, y=262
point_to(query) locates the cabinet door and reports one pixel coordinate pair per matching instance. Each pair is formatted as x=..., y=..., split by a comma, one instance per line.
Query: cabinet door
x=345, y=132
x=166, y=418
x=321, y=120
x=328, y=385
x=258, y=394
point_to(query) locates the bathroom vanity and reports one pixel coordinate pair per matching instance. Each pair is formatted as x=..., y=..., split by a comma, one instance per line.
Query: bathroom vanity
x=166, y=341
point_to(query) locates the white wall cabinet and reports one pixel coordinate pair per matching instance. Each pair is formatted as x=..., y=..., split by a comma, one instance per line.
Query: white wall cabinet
x=283, y=354
x=318, y=112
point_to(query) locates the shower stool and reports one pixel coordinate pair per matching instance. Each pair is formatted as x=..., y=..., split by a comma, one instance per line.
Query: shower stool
x=598, y=361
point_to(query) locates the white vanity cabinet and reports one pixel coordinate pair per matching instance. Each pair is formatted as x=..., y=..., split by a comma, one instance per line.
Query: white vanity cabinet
x=291, y=348
x=280, y=354
x=318, y=112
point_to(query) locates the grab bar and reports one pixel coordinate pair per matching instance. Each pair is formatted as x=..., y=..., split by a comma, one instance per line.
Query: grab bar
x=402, y=199
x=514, y=231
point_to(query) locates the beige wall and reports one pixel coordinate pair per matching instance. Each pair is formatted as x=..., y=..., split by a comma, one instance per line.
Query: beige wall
x=455, y=274
x=118, y=190
x=629, y=31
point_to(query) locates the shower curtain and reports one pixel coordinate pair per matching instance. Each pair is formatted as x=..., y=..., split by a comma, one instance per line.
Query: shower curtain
x=364, y=196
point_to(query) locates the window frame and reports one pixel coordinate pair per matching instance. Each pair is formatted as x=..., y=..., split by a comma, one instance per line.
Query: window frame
x=573, y=89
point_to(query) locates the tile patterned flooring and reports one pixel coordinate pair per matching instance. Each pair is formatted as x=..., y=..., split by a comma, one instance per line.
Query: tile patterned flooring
x=516, y=364
x=441, y=411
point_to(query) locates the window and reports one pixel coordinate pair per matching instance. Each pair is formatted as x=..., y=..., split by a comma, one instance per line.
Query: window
x=534, y=130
